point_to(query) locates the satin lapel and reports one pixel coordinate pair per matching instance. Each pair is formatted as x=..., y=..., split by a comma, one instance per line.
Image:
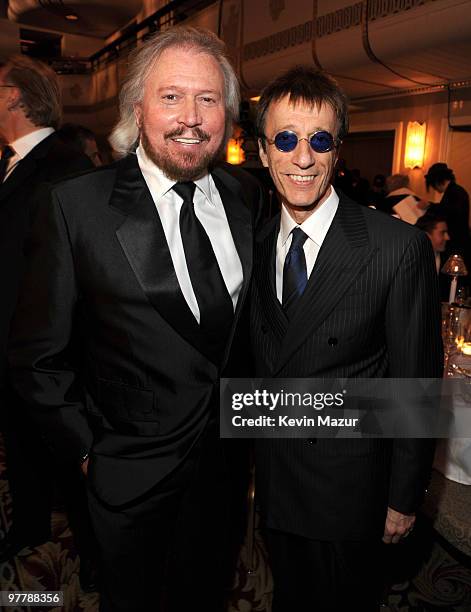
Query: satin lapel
x=344, y=253
x=143, y=241
x=240, y=222
x=26, y=167
x=18, y=177
x=265, y=277
x=239, y=217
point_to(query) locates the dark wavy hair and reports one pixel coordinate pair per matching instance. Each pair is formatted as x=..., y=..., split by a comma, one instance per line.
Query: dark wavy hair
x=438, y=173
x=309, y=86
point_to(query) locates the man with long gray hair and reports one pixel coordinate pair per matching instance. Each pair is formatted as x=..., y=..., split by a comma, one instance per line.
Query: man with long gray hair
x=136, y=280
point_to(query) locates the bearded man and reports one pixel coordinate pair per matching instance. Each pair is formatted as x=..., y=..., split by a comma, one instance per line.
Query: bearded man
x=136, y=280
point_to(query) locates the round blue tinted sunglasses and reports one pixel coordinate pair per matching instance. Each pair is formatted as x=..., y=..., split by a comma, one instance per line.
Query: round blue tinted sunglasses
x=286, y=141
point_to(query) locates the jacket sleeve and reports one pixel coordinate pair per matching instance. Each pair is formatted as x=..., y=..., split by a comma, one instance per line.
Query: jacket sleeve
x=415, y=351
x=43, y=366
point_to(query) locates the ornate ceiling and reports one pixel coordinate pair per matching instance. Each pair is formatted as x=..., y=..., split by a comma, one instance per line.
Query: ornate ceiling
x=98, y=18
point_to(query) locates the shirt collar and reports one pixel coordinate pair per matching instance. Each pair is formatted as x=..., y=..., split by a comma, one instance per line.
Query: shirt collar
x=316, y=225
x=24, y=145
x=162, y=184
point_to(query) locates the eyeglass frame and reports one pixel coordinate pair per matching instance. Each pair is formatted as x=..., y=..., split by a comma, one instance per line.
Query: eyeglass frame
x=336, y=142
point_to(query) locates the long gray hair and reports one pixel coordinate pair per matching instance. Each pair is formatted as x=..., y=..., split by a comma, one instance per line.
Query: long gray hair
x=125, y=134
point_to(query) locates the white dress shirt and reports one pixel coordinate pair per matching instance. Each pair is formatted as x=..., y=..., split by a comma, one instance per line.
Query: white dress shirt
x=316, y=227
x=210, y=211
x=24, y=145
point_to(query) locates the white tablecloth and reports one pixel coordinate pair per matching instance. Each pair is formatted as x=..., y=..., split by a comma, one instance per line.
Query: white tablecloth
x=453, y=456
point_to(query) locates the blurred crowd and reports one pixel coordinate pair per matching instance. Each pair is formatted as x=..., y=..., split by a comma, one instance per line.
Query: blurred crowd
x=446, y=222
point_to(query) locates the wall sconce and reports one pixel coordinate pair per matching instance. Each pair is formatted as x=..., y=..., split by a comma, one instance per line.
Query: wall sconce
x=234, y=152
x=415, y=144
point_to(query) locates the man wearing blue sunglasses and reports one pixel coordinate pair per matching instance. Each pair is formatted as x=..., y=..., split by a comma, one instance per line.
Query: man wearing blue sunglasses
x=339, y=291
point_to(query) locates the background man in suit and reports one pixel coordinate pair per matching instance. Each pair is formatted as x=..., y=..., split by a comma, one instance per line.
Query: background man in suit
x=143, y=267
x=437, y=230
x=30, y=112
x=81, y=139
x=436, y=227
x=340, y=290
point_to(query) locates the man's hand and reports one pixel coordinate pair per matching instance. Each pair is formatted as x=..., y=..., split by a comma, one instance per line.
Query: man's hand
x=84, y=467
x=397, y=526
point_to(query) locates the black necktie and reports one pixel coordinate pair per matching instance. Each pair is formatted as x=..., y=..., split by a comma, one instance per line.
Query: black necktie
x=214, y=301
x=294, y=272
x=6, y=154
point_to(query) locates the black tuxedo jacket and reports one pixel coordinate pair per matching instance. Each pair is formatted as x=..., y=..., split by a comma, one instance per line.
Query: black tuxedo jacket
x=48, y=161
x=104, y=347
x=370, y=309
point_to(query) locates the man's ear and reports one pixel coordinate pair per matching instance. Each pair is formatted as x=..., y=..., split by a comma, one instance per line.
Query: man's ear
x=262, y=152
x=13, y=99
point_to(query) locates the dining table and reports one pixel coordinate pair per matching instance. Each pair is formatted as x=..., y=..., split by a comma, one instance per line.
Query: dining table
x=453, y=455
x=448, y=499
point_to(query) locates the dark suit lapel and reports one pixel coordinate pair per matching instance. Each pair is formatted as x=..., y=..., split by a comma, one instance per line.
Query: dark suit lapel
x=240, y=223
x=344, y=253
x=143, y=241
x=239, y=217
x=25, y=167
x=18, y=177
x=266, y=278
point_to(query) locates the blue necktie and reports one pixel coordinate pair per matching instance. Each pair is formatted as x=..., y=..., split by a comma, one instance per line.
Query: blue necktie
x=294, y=272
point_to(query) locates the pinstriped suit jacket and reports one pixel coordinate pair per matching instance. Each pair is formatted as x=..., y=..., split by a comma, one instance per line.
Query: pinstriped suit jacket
x=370, y=309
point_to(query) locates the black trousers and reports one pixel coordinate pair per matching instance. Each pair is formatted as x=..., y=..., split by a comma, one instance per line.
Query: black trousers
x=175, y=549
x=35, y=476
x=30, y=476
x=311, y=575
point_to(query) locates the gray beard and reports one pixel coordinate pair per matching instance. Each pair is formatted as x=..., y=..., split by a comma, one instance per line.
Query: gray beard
x=190, y=167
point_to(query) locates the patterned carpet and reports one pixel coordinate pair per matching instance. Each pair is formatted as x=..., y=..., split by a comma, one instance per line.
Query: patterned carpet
x=441, y=583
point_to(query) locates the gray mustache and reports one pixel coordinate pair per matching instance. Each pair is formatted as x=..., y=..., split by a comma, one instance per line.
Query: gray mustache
x=194, y=133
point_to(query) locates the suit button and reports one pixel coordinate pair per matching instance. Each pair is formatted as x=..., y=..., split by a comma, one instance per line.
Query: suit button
x=264, y=329
x=332, y=341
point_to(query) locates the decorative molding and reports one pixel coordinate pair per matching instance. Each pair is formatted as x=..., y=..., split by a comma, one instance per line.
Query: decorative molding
x=315, y=57
x=444, y=141
x=276, y=8
x=413, y=91
x=240, y=63
x=342, y=19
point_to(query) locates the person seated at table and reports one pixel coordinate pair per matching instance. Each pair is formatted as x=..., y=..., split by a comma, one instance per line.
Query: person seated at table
x=436, y=229
x=401, y=201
